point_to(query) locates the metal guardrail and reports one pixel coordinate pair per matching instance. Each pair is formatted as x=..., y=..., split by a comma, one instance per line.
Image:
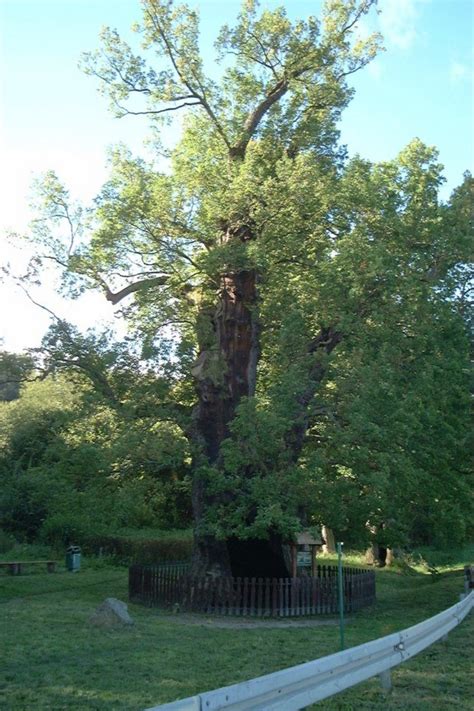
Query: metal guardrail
x=296, y=687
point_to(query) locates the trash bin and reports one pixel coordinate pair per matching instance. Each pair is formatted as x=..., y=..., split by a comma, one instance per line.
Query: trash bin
x=73, y=558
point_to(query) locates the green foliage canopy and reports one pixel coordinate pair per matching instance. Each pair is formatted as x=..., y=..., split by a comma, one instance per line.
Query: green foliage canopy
x=360, y=271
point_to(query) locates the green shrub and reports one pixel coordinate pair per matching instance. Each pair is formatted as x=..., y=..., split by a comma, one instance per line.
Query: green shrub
x=149, y=502
x=62, y=528
x=7, y=541
x=146, y=551
x=24, y=502
x=30, y=551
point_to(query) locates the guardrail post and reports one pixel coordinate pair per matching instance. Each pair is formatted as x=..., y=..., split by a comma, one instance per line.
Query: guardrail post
x=468, y=578
x=341, y=592
x=385, y=679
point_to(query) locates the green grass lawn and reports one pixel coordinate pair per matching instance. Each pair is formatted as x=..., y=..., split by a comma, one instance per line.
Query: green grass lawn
x=52, y=659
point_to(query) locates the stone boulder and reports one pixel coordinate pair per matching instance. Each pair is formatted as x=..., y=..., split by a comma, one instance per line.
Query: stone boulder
x=111, y=613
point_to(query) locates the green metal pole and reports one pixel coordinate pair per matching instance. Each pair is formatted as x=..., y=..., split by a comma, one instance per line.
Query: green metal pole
x=341, y=593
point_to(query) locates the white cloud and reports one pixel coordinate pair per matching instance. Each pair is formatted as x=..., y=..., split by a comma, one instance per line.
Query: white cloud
x=458, y=72
x=375, y=70
x=398, y=21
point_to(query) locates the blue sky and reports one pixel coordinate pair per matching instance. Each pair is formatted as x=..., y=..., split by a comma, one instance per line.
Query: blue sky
x=51, y=116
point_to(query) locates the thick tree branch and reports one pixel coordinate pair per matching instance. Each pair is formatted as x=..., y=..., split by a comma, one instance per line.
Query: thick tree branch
x=250, y=126
x=324, y=344
x=115, y=297
x=155, y=112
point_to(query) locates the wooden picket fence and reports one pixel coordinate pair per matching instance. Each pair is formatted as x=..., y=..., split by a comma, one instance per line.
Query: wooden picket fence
x=173, y=586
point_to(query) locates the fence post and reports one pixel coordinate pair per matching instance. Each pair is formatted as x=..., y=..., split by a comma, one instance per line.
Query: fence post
x=341, y=593
x=385, y=679
x=468, y=579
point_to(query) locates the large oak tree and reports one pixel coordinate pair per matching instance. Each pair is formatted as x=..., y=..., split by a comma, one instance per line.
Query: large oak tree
x=255, y=258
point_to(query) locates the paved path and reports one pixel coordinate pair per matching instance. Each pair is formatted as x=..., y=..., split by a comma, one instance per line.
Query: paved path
x=241, y=623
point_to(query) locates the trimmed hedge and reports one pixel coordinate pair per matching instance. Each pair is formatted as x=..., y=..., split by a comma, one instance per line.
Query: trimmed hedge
x=146, y=552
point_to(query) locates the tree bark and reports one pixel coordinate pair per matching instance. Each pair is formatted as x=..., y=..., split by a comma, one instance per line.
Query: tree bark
x=372, y=554
x=328, y=536
x=225, y=372
x=378, y=555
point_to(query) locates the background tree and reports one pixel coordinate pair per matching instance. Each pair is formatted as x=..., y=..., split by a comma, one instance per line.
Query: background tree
x=14, y=369
x=73, y=466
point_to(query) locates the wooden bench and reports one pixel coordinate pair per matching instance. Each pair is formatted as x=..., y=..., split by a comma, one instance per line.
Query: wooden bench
x=16, y=567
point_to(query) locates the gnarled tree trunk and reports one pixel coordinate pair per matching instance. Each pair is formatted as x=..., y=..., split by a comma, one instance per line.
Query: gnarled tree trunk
x=225, y=372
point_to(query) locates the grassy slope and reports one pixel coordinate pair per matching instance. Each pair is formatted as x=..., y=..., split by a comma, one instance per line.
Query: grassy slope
x=52, y=659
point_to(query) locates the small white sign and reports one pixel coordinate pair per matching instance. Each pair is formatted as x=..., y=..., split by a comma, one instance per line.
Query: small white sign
x=303, y=559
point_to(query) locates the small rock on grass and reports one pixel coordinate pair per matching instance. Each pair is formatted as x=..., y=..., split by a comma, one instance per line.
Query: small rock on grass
x=111, y=613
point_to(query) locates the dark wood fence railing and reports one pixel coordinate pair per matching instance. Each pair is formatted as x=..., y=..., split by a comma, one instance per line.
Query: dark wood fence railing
x=173, y=585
